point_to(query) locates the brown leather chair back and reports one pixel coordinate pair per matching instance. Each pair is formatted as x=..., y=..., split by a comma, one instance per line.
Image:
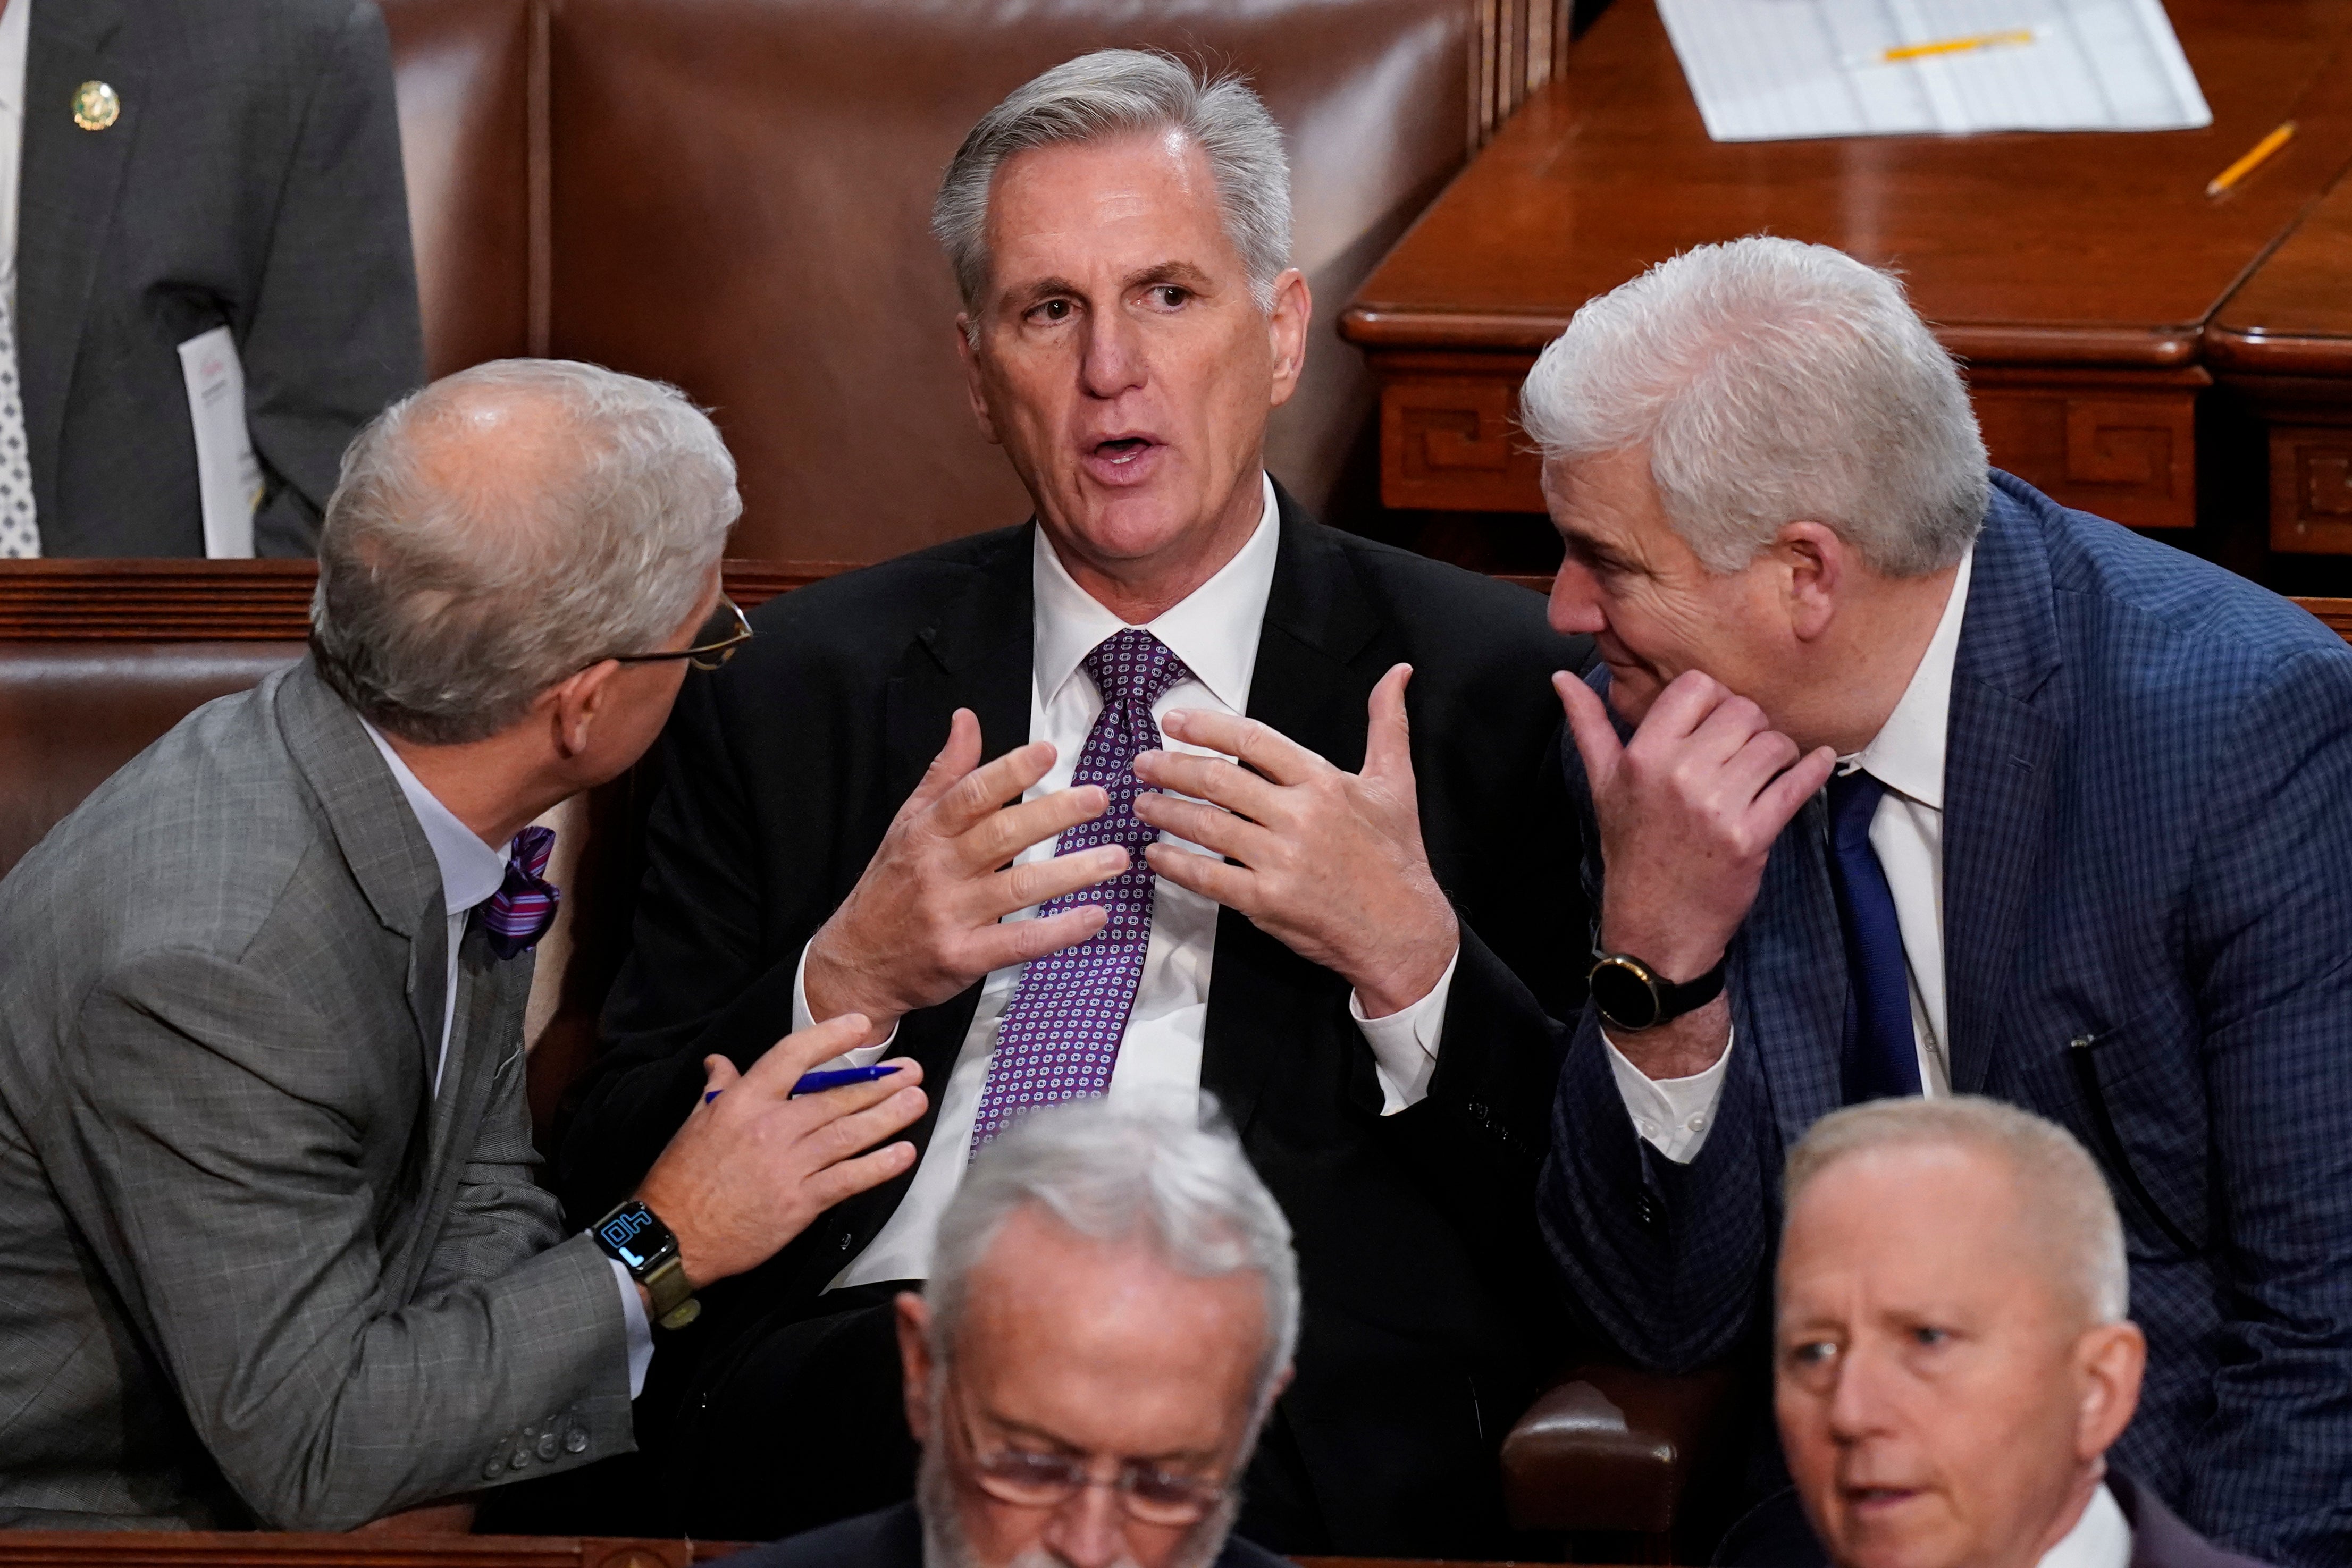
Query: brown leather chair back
x=72, y=713
x=470, y=77
x=733, y=195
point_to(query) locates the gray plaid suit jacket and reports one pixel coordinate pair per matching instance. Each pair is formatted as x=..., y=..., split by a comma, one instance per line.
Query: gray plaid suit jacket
x=2147, y=926
x=252, y=1269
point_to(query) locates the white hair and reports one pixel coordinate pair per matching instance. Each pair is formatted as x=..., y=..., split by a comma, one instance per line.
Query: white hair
x=443, y=610
x=1773, y=382
x=1127, y=92
x=2064, y=1200
x=1173, y=1177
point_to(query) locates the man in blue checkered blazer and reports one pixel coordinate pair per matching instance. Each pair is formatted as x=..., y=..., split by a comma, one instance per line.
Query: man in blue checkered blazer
x=1904, y=779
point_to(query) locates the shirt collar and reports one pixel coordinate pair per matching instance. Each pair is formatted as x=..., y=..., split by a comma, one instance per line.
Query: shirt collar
x=1213, y=629
x=15, y=33
x=470, y=870
x=2102, y=1538
x=1906, y=754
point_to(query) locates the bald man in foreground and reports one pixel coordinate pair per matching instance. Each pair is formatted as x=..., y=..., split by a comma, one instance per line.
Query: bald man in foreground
x=271, y=1251
x=1952, y=1358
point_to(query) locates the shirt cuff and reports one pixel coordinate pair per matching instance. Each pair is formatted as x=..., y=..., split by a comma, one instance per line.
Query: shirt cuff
x=865, y=1055
x=641, y=1332
x=1404, y=1043
x=1673, y=1114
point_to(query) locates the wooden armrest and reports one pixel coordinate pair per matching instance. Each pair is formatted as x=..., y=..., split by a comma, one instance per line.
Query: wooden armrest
x=1610, y=1449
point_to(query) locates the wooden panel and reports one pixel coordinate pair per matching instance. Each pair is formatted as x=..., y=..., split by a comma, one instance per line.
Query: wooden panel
x=237, y=601
x=2126, y=454
x=2311, y=489
x=1452, y=443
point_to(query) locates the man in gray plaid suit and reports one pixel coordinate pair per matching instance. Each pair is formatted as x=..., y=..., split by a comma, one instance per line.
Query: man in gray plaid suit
x=1907, y=779
x=271, y=1249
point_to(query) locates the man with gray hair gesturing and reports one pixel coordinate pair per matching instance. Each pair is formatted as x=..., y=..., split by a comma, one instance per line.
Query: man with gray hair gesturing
x=966, y=794
x=274, y=1252
x=1904, y=780
x=1950, y=1357
x=1111, y=1310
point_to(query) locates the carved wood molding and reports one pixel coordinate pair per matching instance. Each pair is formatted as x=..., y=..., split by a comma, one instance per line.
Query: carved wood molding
x=232, y=600
x=2311, y=489
x=1516, y=47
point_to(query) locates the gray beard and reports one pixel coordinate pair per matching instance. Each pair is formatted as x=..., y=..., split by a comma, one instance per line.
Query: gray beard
x=946, y=1546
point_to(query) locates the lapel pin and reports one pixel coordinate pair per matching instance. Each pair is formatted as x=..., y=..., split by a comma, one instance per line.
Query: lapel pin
x=96, y=106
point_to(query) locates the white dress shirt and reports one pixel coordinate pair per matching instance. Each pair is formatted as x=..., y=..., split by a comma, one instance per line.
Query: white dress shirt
x=16, y=31
x=471, y=871
x=1215, y=631
x=2102, y=1538
x=1906, y=832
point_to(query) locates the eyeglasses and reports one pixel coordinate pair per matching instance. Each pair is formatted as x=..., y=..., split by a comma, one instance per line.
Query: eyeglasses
x=1148, y=1494
x=713, y=646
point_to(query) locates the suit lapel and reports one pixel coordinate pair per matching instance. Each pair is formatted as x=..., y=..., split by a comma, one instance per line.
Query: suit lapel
x=977, y=654
x=378, y=836
x=68, y=182
x=1310, y=682
x=2007, y=720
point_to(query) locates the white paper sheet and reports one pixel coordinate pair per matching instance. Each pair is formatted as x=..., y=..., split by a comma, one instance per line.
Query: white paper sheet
x=228, y=476
x=1773, y=70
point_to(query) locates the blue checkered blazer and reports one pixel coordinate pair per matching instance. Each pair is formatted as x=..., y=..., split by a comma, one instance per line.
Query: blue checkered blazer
x=2147, y=926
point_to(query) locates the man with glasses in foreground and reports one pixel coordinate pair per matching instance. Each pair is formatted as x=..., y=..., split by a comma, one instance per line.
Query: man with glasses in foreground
x=274, y=1254
x=1111, y=1310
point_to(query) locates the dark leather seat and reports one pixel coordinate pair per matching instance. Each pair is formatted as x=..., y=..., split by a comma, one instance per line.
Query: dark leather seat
x=733, y=195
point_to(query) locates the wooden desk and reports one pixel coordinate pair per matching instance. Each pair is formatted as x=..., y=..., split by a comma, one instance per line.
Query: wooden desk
x=2075, y=273
x=2284, y=342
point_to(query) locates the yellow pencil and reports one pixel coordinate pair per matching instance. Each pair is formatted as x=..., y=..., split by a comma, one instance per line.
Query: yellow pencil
x=1959, y=45
x=2252, y=161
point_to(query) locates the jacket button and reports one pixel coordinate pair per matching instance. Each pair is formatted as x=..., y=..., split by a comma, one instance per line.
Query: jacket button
x=1647, y=1212
x=576, y=1440
x=494, y=1468
x=547, y=1444
x=845, y=1241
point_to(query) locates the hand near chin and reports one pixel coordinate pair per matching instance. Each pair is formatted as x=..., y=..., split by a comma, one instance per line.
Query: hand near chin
x=1689, y=809
x=927, y=919
x=1330, y=863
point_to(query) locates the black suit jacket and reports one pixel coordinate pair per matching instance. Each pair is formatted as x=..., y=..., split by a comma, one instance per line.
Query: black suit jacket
x=1425, y=1289
x=253, y=180
x=893, y=1538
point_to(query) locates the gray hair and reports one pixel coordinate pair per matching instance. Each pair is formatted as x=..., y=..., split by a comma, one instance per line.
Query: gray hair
x=1773, y=382
x=1173, y=1176
x=443, y=611
x=2064, y=1197
x=1127, y=92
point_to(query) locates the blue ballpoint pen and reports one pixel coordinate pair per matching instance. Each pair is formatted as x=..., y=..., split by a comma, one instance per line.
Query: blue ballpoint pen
x=814, y=1082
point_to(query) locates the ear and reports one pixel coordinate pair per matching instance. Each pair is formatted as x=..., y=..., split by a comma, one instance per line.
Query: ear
x=1814, y=563
x=974, y=388
x=915, y=1362
x=1286, y=325
x=575, y=705
x=2111, y=1357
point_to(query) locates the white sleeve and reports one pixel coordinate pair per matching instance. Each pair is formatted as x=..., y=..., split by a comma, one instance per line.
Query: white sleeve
x=1673, y=1114
x=863, y=1056
x=1404, y=1043
x=641, y=1332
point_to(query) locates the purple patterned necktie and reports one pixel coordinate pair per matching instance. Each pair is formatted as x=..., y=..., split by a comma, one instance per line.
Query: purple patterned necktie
x=516, y=916
x=1060, y=1034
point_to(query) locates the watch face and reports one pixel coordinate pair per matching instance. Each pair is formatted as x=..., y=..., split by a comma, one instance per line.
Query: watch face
x=1624, y=997
x=635, y=1237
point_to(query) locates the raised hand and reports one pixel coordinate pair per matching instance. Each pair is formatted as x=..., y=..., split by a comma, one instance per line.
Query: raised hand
x=753, y=1166
x=1688, y=811
x=923, y=921
x=1332, y=862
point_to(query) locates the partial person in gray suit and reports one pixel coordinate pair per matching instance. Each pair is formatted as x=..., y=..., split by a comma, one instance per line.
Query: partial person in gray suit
x=272, y=1251
x=189, y=165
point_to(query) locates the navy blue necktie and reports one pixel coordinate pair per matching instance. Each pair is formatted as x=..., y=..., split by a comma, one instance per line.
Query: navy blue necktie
x=1885, y=1061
